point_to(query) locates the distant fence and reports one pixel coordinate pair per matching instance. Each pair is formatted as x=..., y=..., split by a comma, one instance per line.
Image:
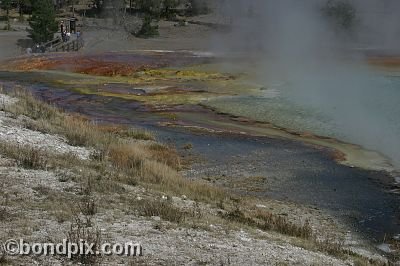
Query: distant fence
x=52, y=43
x=58, y=45
x=70, y=46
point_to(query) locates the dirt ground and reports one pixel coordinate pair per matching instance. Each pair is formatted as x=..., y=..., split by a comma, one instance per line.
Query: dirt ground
x=38, y=204
x=102, y=36
x=190, y=37
x=9, y=43
x=164, y=242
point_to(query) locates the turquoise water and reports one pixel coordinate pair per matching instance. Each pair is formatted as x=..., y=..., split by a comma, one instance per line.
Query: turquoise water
x=297, y=172
x=354, y=105
x=279, y=111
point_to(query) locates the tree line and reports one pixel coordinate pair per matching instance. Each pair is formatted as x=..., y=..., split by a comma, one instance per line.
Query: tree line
x=43, y=23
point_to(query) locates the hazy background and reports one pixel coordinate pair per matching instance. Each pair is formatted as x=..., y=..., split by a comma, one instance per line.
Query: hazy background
x=292, y=42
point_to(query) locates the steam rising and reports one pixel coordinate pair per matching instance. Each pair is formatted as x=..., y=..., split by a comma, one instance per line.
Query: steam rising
x=293, y=42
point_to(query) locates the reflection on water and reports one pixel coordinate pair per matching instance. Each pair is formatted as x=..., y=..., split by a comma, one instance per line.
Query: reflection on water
x=360, y=109
x=279, y=111
x=298, y=172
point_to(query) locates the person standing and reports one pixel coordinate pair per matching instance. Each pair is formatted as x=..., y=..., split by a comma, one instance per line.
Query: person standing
x=62, y=31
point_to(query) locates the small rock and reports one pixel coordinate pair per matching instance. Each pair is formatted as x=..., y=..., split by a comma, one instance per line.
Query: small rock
x=385, y=248
x=156, y=218
x=184, y=197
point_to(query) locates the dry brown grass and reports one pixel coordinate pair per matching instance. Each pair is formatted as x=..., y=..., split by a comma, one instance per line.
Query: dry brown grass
x=34, y=158
x=29, y=106
x=268, y=221
x=165, y=154
x=80, y=132
x=79, y=231
x=150, y=163
x=161, y=208
x=77, y=129
x=127, y=132
x=332, y=246
x=25, y=156
x=119, y=157
x=129, y=157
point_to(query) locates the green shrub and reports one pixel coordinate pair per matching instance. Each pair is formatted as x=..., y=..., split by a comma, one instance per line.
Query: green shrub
x=148, y=29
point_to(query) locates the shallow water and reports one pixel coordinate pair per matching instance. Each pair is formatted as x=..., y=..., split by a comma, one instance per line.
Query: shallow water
x=296, y=172
x=355, y=108
x=299, y=173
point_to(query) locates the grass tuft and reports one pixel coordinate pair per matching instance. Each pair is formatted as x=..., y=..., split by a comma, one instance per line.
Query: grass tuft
x=268, y=221
x=163, y=209
x=121, y=156
x=25, y=156
x=80, y=232
x=4, y=214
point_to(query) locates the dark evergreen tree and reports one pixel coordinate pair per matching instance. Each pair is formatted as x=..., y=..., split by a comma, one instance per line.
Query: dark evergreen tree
x=148, y=29
x=152, y=11
x=43, y=21
x=6, y=5
x=22, y=6
x=98, y=5
x=150, y=7
x=168, y=7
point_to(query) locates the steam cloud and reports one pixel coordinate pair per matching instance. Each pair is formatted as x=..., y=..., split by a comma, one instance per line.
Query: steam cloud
x=292, y=41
